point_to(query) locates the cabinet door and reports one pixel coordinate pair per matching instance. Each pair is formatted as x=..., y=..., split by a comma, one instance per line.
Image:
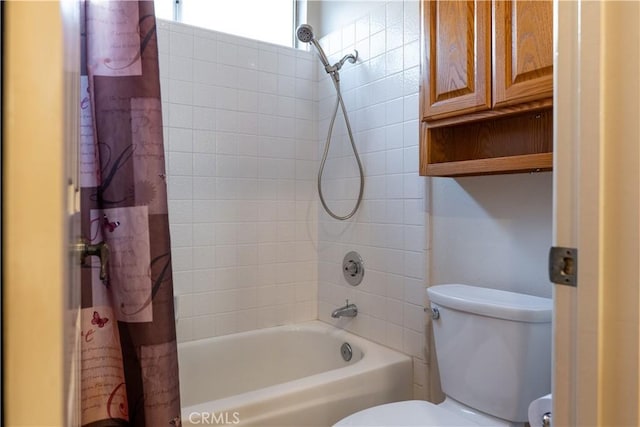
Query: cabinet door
x=456, y=59
x=522, y=51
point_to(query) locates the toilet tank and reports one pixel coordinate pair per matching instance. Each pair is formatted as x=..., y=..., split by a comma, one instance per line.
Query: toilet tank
x=493, y=348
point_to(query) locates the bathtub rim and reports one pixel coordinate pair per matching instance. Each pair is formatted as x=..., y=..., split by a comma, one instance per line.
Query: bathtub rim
x=374, y=356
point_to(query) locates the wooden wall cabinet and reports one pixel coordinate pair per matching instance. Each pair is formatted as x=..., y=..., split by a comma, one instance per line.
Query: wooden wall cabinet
x=487, y=87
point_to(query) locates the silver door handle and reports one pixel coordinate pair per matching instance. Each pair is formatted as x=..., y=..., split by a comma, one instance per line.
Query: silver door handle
x=101, y=250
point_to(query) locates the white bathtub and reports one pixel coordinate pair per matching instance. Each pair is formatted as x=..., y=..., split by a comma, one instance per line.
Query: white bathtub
x=287, y=376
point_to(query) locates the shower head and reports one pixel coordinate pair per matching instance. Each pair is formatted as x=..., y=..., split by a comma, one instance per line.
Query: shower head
x=305, y=33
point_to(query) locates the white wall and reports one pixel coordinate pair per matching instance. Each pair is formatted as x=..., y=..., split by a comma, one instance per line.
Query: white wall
x=389, y=230
x=239, y=119
x=492, y=231
x=327, y=16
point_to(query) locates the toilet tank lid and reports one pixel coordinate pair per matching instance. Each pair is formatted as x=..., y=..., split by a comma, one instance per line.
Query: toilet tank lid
x=492, y=302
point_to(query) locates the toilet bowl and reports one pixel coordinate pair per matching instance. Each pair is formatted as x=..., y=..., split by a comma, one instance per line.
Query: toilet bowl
x=407, y=413
x=421, y=413
x=494, y=353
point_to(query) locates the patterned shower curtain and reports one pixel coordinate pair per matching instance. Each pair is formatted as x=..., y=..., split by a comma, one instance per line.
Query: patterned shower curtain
x=129, y=355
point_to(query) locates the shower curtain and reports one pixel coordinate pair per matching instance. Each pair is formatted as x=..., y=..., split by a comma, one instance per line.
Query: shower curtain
x=129, y=371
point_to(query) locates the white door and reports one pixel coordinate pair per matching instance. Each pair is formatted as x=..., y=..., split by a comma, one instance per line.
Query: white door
x=70, y=14
x=596, y=210
x=40, y=280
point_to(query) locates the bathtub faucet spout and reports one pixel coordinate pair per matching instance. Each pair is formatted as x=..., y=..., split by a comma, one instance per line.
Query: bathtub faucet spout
x=349, y=310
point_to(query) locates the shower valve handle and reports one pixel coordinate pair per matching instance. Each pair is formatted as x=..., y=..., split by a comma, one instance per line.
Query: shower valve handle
x=351, y=268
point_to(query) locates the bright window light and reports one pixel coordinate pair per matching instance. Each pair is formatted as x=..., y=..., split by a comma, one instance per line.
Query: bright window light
x=164, y=9
x=265, y=20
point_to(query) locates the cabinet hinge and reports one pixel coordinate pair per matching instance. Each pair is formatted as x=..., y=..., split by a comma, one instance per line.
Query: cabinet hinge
x=563, y=266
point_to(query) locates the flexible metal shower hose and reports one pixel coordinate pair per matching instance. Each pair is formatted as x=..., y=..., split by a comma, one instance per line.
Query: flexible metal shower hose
x=340, y=102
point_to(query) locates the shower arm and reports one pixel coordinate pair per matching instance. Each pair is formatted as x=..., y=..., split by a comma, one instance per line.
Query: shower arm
x=352, y=58
x=333, y=69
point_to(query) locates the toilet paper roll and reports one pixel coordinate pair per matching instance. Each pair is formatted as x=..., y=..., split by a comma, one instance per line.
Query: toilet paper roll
x=537, y=409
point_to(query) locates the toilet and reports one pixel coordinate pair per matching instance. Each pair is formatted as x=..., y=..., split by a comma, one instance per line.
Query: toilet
x=494, y=355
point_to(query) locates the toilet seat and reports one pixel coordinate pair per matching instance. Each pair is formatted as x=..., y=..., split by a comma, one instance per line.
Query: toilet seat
x=407, y=413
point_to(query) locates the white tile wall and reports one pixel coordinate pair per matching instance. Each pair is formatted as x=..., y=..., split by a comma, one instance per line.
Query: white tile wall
x=245, y=124
x=389, y=231
x=240, y=137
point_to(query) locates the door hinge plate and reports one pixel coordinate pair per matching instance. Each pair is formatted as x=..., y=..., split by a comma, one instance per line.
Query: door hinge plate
x=563, y=266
